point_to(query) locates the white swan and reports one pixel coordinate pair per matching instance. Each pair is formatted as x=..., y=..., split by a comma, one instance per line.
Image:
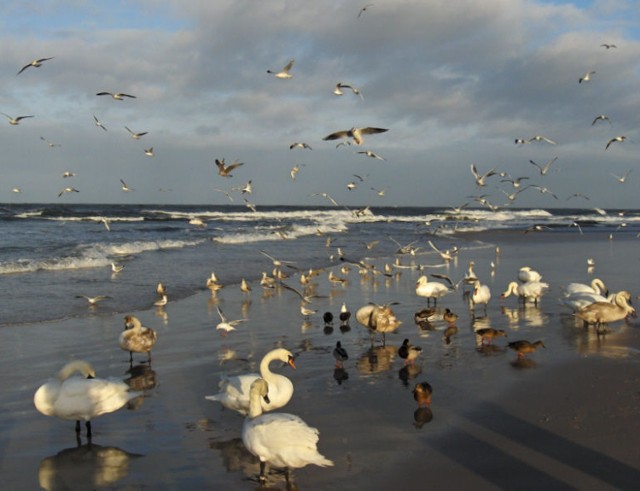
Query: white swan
x=280, y=439
x=526, y=274
x=579, y=300
x=530, y=291
x=81, y=398
x=234, y=391
x=431, y=289
x=480, y=295
x=597, y=286
x=600, y=313
x=137, y=338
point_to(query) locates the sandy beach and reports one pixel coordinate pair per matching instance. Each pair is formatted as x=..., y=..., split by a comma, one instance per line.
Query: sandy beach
x=566, y=418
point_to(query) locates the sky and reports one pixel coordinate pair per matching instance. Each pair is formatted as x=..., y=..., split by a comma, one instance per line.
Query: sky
x=455, y=83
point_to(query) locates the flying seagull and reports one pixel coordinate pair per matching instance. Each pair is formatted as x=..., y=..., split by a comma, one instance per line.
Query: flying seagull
x=99, y=123
x=125, y=188
x=544, y=168
x=50, y=144
x=68, y=190
x=601, y=117
x=15, y=121
x=299, y=145
x=586, y=77
x=608, y=46
x=224, y=170
x=284, y=73
x=539, y=138
x=355, y=133
x=481, y=178
x=622, y=179
x=616, y=139
x=119, y=96
x=364, y=9
x=134, y=135
x=369, y=153
x=35, y=63
x=342, y=85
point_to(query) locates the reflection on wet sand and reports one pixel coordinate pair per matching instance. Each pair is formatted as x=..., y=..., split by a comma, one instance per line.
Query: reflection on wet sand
x=409, y=372
x=141, y=377
x=377, y=359
x=422, y=416
x=84, y=467
x=521, y=363
x=525, y=316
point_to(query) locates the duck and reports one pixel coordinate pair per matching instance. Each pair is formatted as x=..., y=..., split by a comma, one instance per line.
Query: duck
x=422, y=394
x=522, y=347
x=83, y=397
x=234, y=391
x=244, y=286
x=327, y=317
x=450, y=331
x=136, y=338
x=527, y=274
x=281, y=440
x=409, y=352
x=600, y=313
x=481, y=294
x=162, y=301
x=530, y=291
x=431, y=289
x=449, y=317
x=424, y=315
x=488, y=334
x=344, y=315
x=378, y=318
x=340, y=354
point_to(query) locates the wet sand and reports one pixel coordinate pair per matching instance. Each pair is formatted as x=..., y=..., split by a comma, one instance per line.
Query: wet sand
x=567, y=418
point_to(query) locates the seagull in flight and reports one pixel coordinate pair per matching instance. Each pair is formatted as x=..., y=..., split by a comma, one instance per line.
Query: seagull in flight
x=327, y=196
x=225, y=170
x=134, y=135
x=118, y=96
x=284, y=73
x=93, y=301
x=615, y=139
x=481, y=178
x=544, y=168
x=342, y=85
x=226, y=325
x=68, y=190
x=355, y=133
x=149, y=152
x=608, y=46
x=601, y=117
x=49, y=143
x=125, y=188
x=67, y=173
x=521, y=141
x=586, y=77
x=299, y=145
x=15, y=121
x=622, y=179
x=35, y=63
x=364, y=9
x=369, y=153
x=99, y=124
x=539, y=138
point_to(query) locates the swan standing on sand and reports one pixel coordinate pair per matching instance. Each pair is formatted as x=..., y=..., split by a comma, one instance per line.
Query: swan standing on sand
x=137, y=338
x=279, y=439
x=481, y=294
x=378, y=318
x=530, y=291
x=600, y=313
x=234, y=391
x=431, y=289
x=81, y=398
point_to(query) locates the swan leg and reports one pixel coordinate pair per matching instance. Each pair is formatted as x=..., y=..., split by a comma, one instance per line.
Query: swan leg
x=78, y=428
x=263, y=478
x=89, y=434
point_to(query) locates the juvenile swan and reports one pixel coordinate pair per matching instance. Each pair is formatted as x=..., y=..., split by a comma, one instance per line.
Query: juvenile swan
x=234, y=391
x=81, y=397
x=279, y=439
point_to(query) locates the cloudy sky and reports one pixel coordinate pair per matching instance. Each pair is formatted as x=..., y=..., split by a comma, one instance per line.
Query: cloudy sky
x=454, y=82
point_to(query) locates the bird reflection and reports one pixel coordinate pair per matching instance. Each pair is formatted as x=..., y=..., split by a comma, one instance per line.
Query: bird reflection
x=340, y=375
x=141, y=377
x=83, y=467
x=523, y=362
x=377, y=359
x=409, y=372
x=422, y=416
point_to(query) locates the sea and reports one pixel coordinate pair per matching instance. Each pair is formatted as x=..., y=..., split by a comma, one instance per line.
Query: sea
x=52, y=255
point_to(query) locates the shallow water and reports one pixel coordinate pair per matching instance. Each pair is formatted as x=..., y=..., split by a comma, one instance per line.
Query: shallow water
x=175, y=439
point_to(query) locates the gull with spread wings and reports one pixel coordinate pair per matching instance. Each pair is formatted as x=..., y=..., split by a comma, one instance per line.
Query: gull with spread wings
x=355, y=134
x=225, y=170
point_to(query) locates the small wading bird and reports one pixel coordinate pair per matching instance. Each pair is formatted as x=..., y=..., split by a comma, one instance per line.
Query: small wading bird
x=284, y=73
x=355, y=134
x=35, y=63
x=225, y=170
x=93, y=301
x=523, y=347
x=118, y=96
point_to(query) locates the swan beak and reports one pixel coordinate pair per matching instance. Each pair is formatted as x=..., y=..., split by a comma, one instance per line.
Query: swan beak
x=291, y=363
x=634, y=313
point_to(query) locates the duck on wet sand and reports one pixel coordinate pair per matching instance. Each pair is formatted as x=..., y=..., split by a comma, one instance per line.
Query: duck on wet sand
x=522, y=347
x=488, y=334
x=422, y=393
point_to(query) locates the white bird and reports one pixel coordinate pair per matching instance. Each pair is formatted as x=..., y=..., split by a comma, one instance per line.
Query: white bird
x=137, y=338
x=93, y=301
x=530, y=291
x=544, y=168
x=234, y=390
x=244, y=286
x=67, y=174
x=526, y=274
x=125, y=188
x=342, y=85
x=279, y=439
x=15, y=121
x=446, y=255
x=284, y=73
x=50, y=144
x=600, y=313
x=149, y=152
x=99, y=123
x=480, y=179
x=579, y=300
x=299, y=145
x=586, y=77
x=119, y=96
x=539, y=138
x=116, y=268
x=81, y=397
x=623, y=178
x=431, y=289
x=596, y=286
x=16, y=190
x=620, y=138
x=134, y=135
x=480, y=295
x=225, y=170
x=226, y=325
x=355, y=133
x=35, y=63
x=369, y=153
x=68, y=190
x=162, y=301
x=600, y=117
